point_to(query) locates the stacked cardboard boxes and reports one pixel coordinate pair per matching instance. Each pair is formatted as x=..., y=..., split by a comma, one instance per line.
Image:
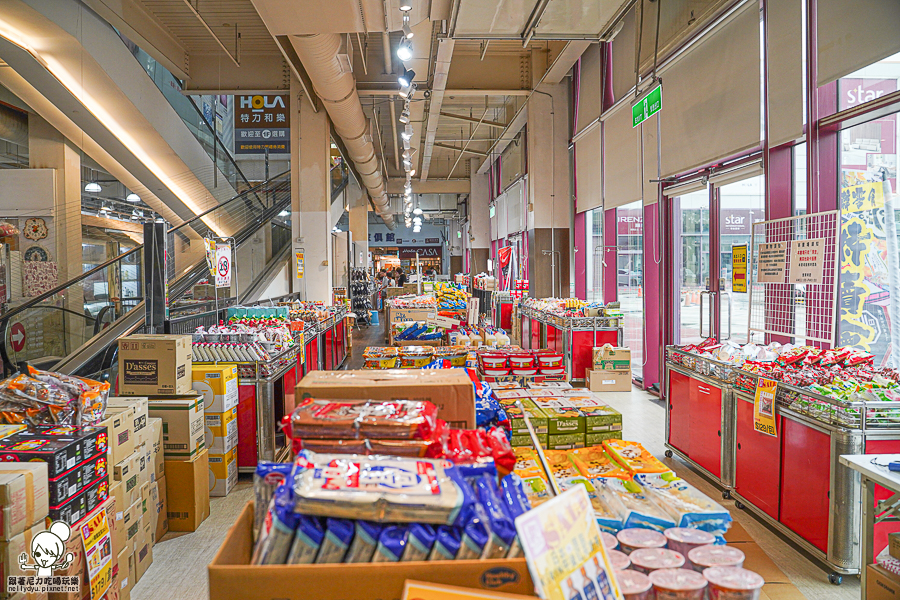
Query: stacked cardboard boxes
x=612, y=370
x=24, y=504
x=219, y=386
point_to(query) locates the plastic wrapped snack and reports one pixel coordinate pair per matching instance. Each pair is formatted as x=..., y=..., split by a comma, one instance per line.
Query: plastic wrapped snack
x=364, y=542
x=419, y=542
x=567, y=476
x=633, y=457
x=503, y=530
x=37, y=397
x=688, y=506
x=308, y=539
x=516, y=503
x=380, y=488
x=349, y=419
x=446, y=543
x=595, y=462
x=476, y=534
x=391, y=543
x=413, y=448
x=267, y=477
x=338, y=536
x=277, y=534
x=630, y=502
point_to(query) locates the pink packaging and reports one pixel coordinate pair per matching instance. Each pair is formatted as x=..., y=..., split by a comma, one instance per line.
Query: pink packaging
x=683, y=540
x=618, y=560
x=733, y=583
x=609, y=540
x=634, y=585
x=635, y=538
x=715, y=556
x=647, y=560
x=678, y=584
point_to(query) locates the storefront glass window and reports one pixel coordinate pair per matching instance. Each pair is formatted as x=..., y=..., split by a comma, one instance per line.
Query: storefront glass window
x=868, y=217
x=593, y=221
x=869, y=83
x=630, y=279
x=692, y=263
x=800, y=208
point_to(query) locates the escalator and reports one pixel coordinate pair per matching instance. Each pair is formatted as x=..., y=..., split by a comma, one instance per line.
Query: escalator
x=67, y=330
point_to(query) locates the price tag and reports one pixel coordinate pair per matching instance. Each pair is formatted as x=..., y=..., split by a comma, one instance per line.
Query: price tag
x=764, y=407
x=442, y=322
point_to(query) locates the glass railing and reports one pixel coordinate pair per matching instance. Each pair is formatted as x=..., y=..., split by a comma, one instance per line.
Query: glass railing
x=60, y=321
x=340, y=177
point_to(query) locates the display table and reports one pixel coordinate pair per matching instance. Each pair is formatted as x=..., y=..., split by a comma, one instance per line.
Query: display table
x=872, y=474
x=795, y=482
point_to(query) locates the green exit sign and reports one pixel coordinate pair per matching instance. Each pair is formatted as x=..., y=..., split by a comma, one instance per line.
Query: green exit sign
x=647, y=107
x=493, y=210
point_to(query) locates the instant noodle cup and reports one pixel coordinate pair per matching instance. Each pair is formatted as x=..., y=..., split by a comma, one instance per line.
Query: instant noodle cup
x=618, y=560
x=684, y=539
x=609, y=540
x=678, y=584
x=634, y=539
x=634, y=585
x=647, y=560
x=521, y=361
x=494, y=360
x=549, y=359
x=715, y=556
x=495, y=372
x=733, y=583
x=552, y=372
x=525, y=372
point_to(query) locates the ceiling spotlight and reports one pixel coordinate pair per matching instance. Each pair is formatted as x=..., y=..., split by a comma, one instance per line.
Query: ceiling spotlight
x=406, y=30
x=405, y=50
x=406, y=78
x=417, y=220
x=407, y=131
x=404, y=118
x=405, y=6
x=417, y=211
x=132, y=197
x=417, y=229
x=411, y=173
x=93, y=188
x=407, y=153
x=405, y=144
x=283, y=213
x=407, y=164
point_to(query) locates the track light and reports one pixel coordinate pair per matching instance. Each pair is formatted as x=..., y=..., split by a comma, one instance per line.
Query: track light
x=405, y=144
x=411, y=172
x=132, y=197
x=407, y=153
x=406, y=78
x=407, y=133
x=93, y=188
x=405, y=50
x=404, y=117
x=417, y=211
x=405, y=6
x=407, y=164
x=406, y=30
x=417, y=220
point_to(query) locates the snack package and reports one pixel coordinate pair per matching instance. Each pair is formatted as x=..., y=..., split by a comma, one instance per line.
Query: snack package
x=413, y=448
x=419, y=542
x=338, y=536
x=364, y=542
x=476, y=534
x=594, y=462
x=350, y=419
x=446, y=544
x=391, y=543
x=687, y=505
x=44, y=397
x=629, y=501
x=535, y=484
x=380, y=488
x=267, y=477
x=503, y=530
x=633, y=457
x=277, y=533
x=308, y=539
x=516, y=503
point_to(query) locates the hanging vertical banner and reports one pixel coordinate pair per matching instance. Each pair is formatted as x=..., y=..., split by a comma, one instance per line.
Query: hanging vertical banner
x=262, y=123
x=764, y=407
x=98, y=553
x=300, y=266
x=739, y=268
x=210, y=256
x=223, y=265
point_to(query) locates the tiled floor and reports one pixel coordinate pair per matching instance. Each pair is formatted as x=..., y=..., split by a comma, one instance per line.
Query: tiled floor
x=179, y=560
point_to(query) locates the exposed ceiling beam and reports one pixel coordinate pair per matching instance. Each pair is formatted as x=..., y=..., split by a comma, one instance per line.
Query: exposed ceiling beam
x=458, y=149
x=236, y=57
x=394, y=134
x=290, y=55
x=443, y=56
x=473, y=119
x=469, y=141
x=369, y=90
x=564, y=61
x=533, y=21
x=432, y=186
x=214, y=74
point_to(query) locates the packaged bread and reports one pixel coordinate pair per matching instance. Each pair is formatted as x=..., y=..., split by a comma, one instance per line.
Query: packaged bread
x=354, y=419
x=633, y=457
x=595, y=462
x=568, y=476
x=688, y=506
x=634, y=508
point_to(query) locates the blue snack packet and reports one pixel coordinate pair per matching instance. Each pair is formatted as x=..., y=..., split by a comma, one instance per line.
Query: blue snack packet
x=446, y=543
x=391, y=543
x=307, y=541
x=268, y=476
x=277, y=533
x=364, y=542
x=515, y=503
x=476, y=534
x=338, y=535
x=420, y=542
x=503, y=530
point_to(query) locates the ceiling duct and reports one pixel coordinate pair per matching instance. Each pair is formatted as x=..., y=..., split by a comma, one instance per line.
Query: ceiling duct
x=336, y=87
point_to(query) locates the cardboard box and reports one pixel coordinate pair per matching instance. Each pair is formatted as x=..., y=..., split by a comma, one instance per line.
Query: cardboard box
x=138, y=405
x=153, y=506
x=561, y=420
x=156, y=441
x=11, y=549
x=609, y=381
x=221, y=431
x=125, y=583
x=881, y=584
x=232, y=578
x=145, y=500
x=155, y=365
x=525, y=440
x=120, y=432
x=450, y=390
x=84, y=502
x=145, y=463
x=596, y=439
x=75, y=480
x=24, y=497
x=894, y=544
x=611, y=358
x=223, y=473
x=182, y=425
x=565, y=441
x=128, y=472
x=119, y=510
x=187, y=492
x=61, y=447
x=143, y=552
x=162, y=519
x=132, y=521
x=219, y=386
x=538, y=418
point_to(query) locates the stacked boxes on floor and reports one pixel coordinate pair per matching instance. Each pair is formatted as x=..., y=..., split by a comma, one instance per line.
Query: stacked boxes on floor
x=159, y=368
x=612, y=370
x=24, y=505
x=219, y=386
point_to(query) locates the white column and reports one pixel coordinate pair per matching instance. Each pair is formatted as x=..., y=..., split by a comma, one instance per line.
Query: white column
x=359, y=225
x=479, y=242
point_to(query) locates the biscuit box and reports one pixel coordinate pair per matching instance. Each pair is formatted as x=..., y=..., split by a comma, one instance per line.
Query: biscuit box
x=73, y=481
x=62, y=448
x=77, y=507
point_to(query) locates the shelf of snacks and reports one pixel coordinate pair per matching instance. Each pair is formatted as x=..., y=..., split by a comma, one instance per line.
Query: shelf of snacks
x=413, y=357
x=827, y=403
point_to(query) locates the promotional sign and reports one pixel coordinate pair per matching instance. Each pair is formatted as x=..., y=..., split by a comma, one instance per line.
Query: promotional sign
x=423, y=252
x=764, y=407
x=472, y=311
x=739, y=268
x=441, y=322
x=770, y=267
x=210, y=255
x=262, y=123
x=300, y=266
x=646, y=107
x=223, y=265
x=98, y=553
x=807, y=261
x=564, y=550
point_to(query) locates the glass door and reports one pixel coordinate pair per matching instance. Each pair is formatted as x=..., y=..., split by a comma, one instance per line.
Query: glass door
x=691, y=266
x=630, y=279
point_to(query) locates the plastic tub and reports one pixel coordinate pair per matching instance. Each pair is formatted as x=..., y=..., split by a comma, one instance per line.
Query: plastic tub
x=609, y=540
x=678, y=584
x=524, y=372
x=683, y=540
x=618, y=560
x=715, y=556
x=634, y=585
x=553, y=372
x=496, y=361
x=733, y=583
x=647, y=560
x=495, y=372
x=521, y=361
x=634, y=539
x=548, y=359
x=389, y=362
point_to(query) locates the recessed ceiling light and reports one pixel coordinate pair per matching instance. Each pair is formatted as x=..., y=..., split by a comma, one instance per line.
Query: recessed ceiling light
x=132, y=197
x=93, y=188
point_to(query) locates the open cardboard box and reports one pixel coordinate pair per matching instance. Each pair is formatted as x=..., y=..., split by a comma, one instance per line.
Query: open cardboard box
x=232, y=578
